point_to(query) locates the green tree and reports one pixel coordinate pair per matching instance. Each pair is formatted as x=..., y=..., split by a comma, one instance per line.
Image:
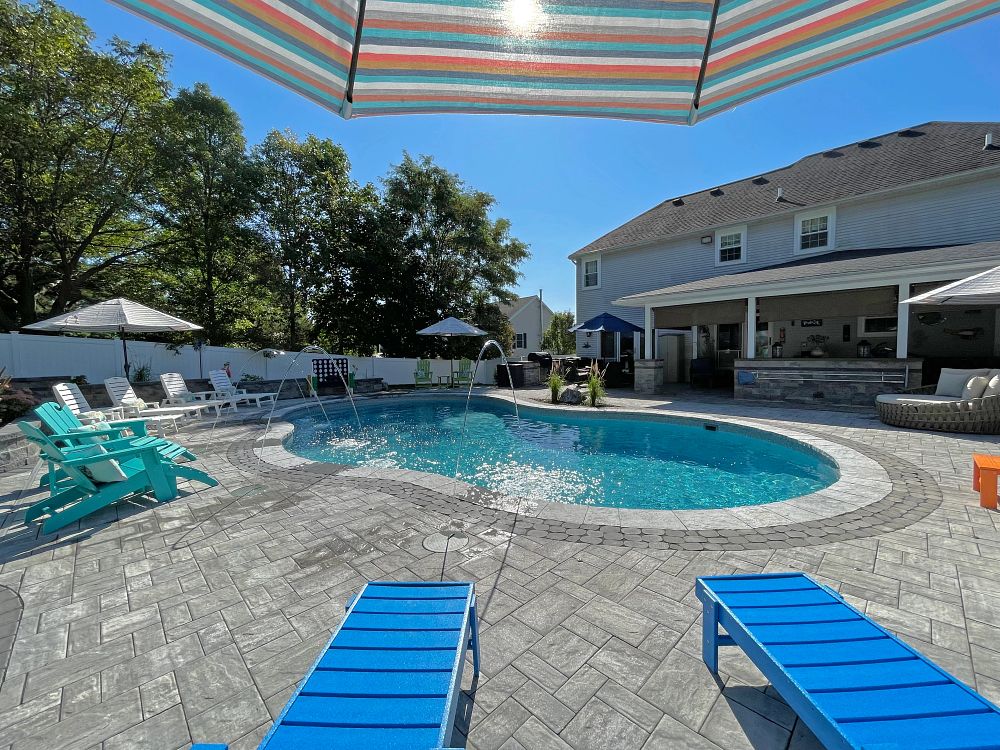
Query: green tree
x=305, y=196
x=557, y=338
x=453, y=258
x=76, y=158
x=208, y=197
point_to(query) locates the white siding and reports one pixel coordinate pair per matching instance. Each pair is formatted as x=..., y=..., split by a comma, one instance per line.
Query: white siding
x=956, y=212
x=526, y=321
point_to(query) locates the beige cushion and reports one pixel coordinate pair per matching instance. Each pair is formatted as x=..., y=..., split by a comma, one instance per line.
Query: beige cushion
x=952, y=382
x=916, y=399
x=975, y=387
x=100, y=471
x=992, y=387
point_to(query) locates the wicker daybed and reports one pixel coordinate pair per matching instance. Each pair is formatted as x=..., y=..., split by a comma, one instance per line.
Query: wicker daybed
x=919, y=409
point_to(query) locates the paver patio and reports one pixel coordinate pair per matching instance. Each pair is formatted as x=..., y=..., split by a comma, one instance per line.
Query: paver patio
x=150, y=627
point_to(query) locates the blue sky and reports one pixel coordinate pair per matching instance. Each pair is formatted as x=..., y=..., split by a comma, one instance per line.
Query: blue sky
x=565, y=181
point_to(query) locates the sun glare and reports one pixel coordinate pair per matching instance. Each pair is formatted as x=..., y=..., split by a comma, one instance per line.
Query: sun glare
x=523, y=17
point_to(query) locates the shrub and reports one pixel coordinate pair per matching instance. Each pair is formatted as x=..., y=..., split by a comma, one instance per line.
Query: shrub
x=595, y=385
x=14, y=402
x=556, y=382
x=142, y=374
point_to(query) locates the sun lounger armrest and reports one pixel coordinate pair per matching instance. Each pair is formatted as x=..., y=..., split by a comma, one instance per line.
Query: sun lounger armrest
x=124, y=453
x=111, y=432
x=81, y=433
x=138, y=426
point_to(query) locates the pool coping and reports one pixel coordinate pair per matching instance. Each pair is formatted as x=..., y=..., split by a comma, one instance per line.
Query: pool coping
x=863, y=480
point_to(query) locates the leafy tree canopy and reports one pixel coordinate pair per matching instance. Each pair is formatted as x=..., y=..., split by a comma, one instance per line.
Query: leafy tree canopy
x=112, y=184
x=557, y=338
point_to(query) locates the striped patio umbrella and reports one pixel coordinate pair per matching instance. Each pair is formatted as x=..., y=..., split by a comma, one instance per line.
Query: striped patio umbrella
x=660, y=60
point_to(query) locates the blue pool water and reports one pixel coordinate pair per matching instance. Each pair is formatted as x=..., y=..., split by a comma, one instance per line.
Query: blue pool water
x=557, y=455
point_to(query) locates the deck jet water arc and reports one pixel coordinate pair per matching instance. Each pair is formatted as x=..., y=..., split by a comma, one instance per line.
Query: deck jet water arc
x=311, y=349
x=468, y=397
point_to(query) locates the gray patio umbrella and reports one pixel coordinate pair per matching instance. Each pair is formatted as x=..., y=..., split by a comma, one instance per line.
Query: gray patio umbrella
x=119, y=316
x=981, y=289
x=450, y=327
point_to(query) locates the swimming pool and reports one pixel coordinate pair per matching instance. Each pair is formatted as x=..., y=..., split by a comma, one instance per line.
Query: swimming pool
x=558, y=455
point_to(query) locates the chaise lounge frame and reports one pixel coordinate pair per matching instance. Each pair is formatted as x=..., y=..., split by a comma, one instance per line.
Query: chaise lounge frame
x=379, y=608
x=853, y=683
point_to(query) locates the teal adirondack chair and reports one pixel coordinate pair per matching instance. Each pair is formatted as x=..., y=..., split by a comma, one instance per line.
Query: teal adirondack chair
x=97, y=475
x=463, y=375
x=422, y=375
x=66, y=430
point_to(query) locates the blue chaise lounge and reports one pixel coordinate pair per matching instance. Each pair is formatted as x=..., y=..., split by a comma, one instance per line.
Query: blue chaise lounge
x=389, y=678
x=854, y=684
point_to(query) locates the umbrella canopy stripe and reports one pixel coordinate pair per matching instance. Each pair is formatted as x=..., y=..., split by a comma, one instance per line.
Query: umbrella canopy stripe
x=776, y=45
x=659, y=60
x=294, y=44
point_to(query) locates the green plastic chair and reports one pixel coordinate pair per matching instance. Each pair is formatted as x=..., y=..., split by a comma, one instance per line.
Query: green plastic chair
x=463, y=375
x=97, y=475
x=422, y=375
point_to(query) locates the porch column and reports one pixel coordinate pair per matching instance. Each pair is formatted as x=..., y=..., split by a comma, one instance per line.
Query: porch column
x=903, y=322
x=694, y=342
x=648, y=327
x=751, y=329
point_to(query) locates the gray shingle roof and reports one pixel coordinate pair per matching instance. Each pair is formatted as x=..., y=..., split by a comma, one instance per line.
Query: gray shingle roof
x=923, y=152
x=831, y=264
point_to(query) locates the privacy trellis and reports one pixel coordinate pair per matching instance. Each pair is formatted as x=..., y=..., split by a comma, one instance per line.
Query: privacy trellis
x=669, y=61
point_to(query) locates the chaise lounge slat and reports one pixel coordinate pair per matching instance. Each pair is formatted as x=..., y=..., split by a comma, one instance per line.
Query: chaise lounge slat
x=855, y=685
x=390, y=676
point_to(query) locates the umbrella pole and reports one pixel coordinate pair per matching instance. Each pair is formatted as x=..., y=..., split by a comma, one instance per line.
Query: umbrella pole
x=124, y=351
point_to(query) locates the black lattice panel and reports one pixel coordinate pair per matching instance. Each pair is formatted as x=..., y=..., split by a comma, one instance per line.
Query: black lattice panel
x=326, y=370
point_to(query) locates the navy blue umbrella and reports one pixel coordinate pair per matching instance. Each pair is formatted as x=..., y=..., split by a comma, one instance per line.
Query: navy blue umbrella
x=606, y=322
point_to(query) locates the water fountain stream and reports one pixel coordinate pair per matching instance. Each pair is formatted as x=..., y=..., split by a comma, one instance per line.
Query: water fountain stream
x=468, y=397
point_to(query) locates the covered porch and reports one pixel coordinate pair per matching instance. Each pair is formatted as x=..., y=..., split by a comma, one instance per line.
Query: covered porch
x=834, y=329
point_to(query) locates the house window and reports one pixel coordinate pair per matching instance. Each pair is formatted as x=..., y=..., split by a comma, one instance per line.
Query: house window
x=730, y=246
x=520, y=341
x=591, y=274
x=878, y=325
x=814, y=230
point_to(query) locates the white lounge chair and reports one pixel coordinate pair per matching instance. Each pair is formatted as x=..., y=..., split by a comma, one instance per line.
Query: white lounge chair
x=224, y=388
x=70, y=396
x=122, y=395
x=178, y=395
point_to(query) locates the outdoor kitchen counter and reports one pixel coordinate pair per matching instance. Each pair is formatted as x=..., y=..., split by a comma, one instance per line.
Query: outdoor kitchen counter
x=842, y=380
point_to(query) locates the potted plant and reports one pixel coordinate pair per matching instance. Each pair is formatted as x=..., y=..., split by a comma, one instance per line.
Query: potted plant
x=818, y=342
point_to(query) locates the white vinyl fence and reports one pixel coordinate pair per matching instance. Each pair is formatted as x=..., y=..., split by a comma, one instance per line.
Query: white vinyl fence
x=30, y=356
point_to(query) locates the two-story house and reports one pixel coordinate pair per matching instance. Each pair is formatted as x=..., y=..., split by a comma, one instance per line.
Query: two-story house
x=814, y=258
x=530, y=318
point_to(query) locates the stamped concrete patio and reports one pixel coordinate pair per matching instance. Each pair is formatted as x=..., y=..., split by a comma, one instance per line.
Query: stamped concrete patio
x=150, y=627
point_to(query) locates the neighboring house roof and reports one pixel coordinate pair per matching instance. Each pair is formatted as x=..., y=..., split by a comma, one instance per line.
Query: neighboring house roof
x=893, y=160
x=832, y=264
x=515, y=307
